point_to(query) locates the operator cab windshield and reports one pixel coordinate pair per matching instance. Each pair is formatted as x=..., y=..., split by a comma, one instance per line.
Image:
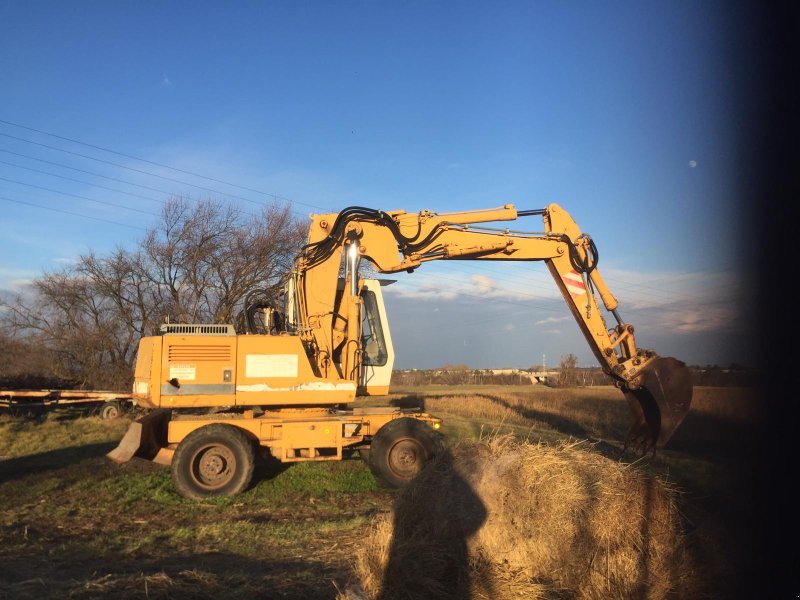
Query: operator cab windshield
x=372, y=339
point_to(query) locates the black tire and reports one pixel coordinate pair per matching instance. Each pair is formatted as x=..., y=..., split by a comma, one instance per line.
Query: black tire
x=400, y=449
x=109, y=410
x=214, y=460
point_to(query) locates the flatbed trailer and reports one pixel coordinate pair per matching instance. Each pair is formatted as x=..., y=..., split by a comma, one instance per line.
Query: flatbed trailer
x=105, y=403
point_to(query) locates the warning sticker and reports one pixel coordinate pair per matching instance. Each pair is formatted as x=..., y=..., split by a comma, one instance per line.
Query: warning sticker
x=271, y=365
x=182, y=372
x=574, y=283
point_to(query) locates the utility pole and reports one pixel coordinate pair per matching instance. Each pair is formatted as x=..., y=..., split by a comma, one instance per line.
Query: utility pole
x=544, y=362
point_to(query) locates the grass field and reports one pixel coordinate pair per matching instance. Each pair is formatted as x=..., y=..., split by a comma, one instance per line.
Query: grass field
x=73, y=524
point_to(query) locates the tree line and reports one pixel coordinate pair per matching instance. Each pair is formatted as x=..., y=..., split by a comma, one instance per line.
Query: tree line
x=80, y=326
x=568, y=374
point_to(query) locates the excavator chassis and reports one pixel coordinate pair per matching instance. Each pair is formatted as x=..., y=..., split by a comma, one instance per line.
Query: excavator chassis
x=291, y=435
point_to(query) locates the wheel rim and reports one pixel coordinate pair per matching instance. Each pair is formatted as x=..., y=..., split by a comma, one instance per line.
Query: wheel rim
x=110, y=412
x=406, y=457
x=212, y=466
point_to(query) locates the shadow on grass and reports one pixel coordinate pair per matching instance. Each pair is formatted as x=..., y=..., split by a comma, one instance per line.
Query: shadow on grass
x=558, y=422
x=428, y=556
x=267, y=468
x=14, y=468
x=715, y=436
x=411, y=401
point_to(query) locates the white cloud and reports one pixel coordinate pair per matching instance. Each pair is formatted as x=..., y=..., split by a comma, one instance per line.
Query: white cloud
x=450, y=282
x=692, y=164
x=678, y=303
x=483, y=285
x=695, y=317
x=18, y=284
x=165, y=81
x=552, y=320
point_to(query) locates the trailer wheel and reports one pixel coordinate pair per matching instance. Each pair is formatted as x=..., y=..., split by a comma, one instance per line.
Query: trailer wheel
x=214, y=460
x=109, y=410
x=400, y=449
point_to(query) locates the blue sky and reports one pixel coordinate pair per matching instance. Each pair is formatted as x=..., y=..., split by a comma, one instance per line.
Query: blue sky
x=634, y=116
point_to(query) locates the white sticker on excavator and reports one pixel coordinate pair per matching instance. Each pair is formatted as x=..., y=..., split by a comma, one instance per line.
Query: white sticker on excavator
x=574, y=283
x=271, y=365
x=182, y=372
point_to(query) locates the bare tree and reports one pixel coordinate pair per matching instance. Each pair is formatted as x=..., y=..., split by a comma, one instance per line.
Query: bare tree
x=203, y=260
x=568, y=370
x=198, y=264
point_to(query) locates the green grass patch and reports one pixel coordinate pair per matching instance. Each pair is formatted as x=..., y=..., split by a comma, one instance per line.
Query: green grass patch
x=24, y=437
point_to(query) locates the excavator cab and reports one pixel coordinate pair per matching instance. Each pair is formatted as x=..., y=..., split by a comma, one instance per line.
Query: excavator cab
x=377, y=350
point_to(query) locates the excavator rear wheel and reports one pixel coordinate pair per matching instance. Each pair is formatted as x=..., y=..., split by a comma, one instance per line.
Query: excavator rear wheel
x=214, y=460
x=400, y=449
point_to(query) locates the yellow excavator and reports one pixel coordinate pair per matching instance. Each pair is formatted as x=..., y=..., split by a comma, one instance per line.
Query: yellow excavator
x=282, y=382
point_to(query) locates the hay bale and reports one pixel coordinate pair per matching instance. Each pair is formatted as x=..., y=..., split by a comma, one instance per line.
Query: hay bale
x=514, y=520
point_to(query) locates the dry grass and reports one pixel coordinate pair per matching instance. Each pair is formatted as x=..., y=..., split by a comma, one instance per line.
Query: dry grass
x=586, y=413
x=503, y=519
x=194, y=583
x=594, y=413
x=72, y=524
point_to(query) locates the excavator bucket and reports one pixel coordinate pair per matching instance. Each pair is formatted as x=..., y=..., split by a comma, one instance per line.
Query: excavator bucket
x=145, y=437
x=660, y=404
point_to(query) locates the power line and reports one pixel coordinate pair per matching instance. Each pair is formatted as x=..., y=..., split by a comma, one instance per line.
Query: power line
x=2, y=162
x=162, y=165
x=93, y=174
x=39, y=187
x=113, y=164
x=144, y=160
x=67, y=212
x=63, y=166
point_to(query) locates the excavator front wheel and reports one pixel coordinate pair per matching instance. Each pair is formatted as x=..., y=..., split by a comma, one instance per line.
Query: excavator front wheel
x=400, y=449
x=214, y=460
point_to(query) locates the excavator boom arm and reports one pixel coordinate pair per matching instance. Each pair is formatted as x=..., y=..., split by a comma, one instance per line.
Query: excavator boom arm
x=658, y=389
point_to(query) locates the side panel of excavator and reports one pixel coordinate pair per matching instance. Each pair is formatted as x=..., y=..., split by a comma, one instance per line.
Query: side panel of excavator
x=274, y=370
x=198, y=370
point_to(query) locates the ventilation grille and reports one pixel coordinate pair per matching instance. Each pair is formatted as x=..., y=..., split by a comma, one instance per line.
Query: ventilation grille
x=198, y=329
x=199, y=353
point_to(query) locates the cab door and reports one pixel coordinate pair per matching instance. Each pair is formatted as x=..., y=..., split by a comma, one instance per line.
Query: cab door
x=376, y=341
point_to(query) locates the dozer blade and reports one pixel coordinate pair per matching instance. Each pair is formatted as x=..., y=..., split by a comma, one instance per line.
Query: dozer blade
x=144, y=438
x=664, y=399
